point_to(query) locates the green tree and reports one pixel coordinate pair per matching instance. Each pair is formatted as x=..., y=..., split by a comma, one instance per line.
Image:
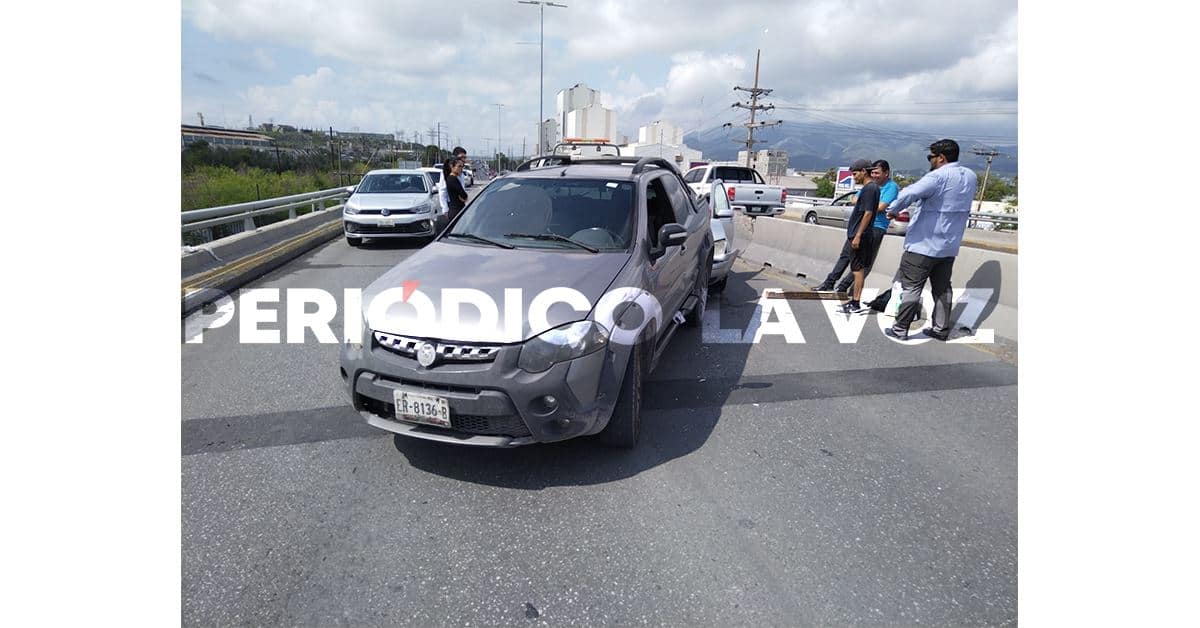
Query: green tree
x=824, y=187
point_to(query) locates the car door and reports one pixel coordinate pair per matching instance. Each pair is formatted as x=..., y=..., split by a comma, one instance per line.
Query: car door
x=841, y=208
x=669, y=266
x=722, y=212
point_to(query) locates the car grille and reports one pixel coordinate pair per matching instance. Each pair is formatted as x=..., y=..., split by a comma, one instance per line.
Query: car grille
x=469, y=424
x=391, y=212
x=447, y=352
x=368, y=229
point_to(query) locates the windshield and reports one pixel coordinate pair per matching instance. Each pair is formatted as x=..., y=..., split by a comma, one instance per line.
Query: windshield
x=392, y=184
x=592, y=212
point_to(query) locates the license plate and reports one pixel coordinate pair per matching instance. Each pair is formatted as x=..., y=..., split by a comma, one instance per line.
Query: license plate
x=387, y=223
x=418, y=408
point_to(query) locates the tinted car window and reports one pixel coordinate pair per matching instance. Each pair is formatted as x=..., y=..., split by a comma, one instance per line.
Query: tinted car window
x=434, y=176
x=730, y=174
x=693, y=176
x=597, y=212
x=392, y=184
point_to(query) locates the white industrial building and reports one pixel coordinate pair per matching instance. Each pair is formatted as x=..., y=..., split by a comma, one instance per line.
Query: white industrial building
x=548, y=135
x=582, y=116
x=663, y=139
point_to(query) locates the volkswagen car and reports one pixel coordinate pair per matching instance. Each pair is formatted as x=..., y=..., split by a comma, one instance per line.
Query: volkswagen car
x=391, y=204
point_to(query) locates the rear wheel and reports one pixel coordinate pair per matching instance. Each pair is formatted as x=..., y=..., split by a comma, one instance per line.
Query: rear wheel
x=811, y=218
x=622, y=429
x=353, y=241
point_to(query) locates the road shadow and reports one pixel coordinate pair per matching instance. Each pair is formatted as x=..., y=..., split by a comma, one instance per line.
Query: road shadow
x=986, y=277
x=678, y=416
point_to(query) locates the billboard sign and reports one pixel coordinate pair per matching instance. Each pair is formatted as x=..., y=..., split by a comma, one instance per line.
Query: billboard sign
x=844, y=182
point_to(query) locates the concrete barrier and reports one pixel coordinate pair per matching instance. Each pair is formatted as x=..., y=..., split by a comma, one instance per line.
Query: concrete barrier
x=810, y=251
x=227, y=264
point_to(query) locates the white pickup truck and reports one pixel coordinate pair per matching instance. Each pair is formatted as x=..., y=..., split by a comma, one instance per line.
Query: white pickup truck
x=745, y=187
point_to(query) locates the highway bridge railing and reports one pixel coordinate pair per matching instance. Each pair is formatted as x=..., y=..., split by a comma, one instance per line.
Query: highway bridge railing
x=199, y=226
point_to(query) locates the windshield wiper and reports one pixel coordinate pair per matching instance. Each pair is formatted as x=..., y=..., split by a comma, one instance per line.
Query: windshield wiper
x=552, y=236
x=472, y=236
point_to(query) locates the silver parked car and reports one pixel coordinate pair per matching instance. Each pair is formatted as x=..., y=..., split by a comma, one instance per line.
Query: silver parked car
x=575, y=278
x=837, y=212
x=725, y=240
x=391, y=204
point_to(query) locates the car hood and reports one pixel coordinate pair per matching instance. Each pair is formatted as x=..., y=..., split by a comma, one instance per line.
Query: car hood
x=442, y=270
x=388, y=201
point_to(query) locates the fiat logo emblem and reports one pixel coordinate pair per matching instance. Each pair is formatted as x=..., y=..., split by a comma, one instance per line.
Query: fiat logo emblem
x=386, y=212
x=426, y=354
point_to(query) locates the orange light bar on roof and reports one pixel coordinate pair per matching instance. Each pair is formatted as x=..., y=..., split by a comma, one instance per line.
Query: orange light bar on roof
x=585, y=140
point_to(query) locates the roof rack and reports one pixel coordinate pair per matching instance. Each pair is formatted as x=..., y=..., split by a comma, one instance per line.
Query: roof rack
x=639, y=163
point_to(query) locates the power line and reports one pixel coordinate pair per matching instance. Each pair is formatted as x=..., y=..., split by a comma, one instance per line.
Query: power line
x=754, y=108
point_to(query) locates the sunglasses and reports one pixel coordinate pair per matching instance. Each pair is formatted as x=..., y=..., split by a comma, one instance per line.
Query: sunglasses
x=931, y=157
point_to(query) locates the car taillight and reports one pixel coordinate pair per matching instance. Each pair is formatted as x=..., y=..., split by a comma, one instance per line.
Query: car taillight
x=730, y=191
x=784, y=196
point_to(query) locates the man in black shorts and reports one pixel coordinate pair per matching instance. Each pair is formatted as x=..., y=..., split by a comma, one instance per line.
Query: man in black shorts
x=859, y=232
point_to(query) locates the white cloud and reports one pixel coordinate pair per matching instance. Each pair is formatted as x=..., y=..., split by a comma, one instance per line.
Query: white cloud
x=383, y=64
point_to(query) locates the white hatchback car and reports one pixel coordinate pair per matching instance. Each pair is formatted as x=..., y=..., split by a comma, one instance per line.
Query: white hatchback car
x=392, y=204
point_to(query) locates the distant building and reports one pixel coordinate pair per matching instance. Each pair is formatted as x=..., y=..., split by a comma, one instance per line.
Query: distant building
x=582, y=116
x=548, y=135
x=662, y=139
x=768, y=163
x=591, y=122
x=659, y=132
x=223, y=138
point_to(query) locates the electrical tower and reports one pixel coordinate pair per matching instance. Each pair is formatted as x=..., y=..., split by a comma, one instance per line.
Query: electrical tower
x=755, y=92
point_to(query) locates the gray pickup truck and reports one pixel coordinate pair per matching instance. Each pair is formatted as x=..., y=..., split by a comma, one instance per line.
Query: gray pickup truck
x=745, y=187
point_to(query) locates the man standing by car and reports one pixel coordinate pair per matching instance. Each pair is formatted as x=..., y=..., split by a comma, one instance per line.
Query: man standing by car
x=859, y=234
x=934, y=236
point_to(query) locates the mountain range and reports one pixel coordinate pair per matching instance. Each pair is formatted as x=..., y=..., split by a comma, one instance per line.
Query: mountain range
x=812, y=146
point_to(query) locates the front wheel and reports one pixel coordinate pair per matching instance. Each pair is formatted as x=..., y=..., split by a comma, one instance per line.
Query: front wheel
x=353, y=241
x=811, y=218
x=697, y=314
x=622, y=429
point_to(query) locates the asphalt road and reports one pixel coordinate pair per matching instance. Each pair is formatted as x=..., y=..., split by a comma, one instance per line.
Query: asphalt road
x=805, y=484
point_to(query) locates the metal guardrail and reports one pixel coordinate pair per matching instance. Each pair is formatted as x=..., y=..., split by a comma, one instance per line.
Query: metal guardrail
x=244, y=213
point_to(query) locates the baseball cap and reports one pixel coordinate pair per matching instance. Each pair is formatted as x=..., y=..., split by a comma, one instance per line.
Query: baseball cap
x=860, y=164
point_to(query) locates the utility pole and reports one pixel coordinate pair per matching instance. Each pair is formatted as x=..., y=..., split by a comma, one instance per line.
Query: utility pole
x=499, y=110
x=754, y=108
x=332, y=159
x=541, y=4
x=990, y=154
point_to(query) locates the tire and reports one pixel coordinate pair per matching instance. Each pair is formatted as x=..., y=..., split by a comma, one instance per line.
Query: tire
x=622, y=429
x=694, y=317
x=720, y=285
x=811, y=218
x=353, y=241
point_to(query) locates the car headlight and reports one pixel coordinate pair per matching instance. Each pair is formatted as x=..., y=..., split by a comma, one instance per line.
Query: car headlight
x=719, y=248
x=423, y=208
x=561, y=344
x=350, y=209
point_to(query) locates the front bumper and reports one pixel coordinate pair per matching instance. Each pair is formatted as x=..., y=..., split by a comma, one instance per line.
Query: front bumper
x=403, y=226
x=492, y=404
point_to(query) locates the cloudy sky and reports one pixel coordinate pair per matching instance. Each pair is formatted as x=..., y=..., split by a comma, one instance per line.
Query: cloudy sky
x=399, y=65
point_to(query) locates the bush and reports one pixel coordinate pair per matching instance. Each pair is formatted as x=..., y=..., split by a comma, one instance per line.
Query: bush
x=212, y=186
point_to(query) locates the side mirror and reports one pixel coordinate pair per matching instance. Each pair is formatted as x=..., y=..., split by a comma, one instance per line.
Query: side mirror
x=672, y=234
x=350, y=189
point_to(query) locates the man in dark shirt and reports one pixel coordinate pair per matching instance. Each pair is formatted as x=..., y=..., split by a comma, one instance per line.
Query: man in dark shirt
x=859, y=232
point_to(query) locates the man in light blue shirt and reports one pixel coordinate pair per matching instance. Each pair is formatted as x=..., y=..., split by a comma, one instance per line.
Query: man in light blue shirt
x=935, y=232
x=881, y=174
